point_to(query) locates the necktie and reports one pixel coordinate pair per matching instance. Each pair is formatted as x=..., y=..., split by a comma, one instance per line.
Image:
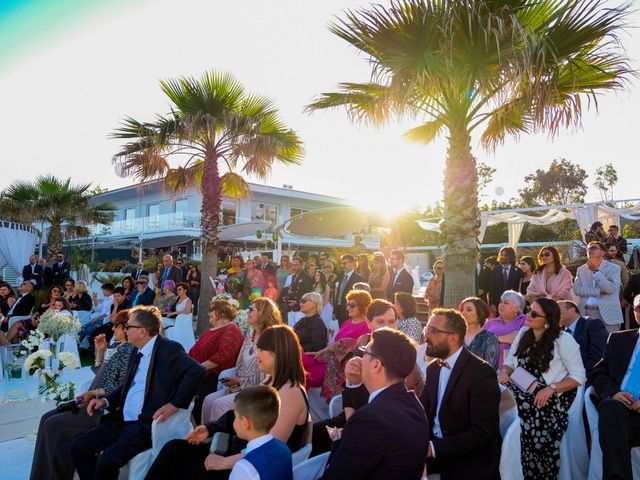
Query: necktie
x=633, y=383
x=343, y=286
x=505, y=275
x=442, y=363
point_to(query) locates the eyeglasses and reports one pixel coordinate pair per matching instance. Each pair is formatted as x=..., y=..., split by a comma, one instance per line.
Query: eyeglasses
x=252, y=308
x=536, y=315
x=546, y=254
x=594, y=248
x=352, y=304
x=362, y=351
x=304, y=300
x=127, y=326
x=431, y=331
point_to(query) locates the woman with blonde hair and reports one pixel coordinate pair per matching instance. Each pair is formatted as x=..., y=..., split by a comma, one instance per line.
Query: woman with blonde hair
x=435, y=288
x=263, y=313
x=380, y=277
x=312, y=333
x=81, y=300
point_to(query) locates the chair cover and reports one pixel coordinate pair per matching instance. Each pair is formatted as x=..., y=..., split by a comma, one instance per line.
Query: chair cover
x=574, y=455
x=301, y=455
x=510, y=466
x=69, y=343
x=595, y=464
x=311, y=469
x=84, y=316
x=318, y=405
x=335, y=406
x=176, y=426
x=182, y=331
x=13, y=320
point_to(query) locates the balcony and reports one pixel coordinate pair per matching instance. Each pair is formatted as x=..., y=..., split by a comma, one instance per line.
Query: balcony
x=156, y=223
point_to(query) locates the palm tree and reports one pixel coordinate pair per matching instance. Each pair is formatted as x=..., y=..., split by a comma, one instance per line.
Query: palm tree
x=214, y=125
x=57, y=202
x=504, y=66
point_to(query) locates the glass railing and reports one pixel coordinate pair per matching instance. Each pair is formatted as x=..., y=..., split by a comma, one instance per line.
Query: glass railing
x=163, y=222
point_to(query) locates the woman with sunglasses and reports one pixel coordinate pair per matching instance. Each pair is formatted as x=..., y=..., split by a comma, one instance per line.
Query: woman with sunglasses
x=552, y=279
x=553, y=358
x=263, y=313
x=51, y=458
x=279, y=359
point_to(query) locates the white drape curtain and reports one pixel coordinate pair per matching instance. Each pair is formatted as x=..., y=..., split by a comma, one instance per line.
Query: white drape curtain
x=17, y=243
x=584, y=216
x=515, y=230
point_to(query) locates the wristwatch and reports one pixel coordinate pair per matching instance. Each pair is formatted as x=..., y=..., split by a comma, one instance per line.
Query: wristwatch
x=553, y=387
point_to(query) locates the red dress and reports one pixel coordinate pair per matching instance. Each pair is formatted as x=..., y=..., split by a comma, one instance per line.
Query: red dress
x=220, y=346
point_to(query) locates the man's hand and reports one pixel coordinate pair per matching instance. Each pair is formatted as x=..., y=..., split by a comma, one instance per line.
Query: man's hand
x=624, y=303
x=95, y=404
x=215, y=462
x=543, y=396
x=164, y=412
x=199, y=435
x=624, y=398
x=353, y=371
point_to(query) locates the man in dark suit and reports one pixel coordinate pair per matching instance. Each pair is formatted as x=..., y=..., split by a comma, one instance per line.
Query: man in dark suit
x=143, y=294
x=161, y=379
x=25, y=302
x=140, y=271
x=182, y=267
x=32, y=272
x=60, y=270
x=505, y=276
x=47, y=274
x=616, y=380
x=386, y=439
x=589, y=333
x=401, y=279
x=344, y=285
x=169, y=271
x=461, y=398
x=301, y=283
x=267, y=267
x=630, y=291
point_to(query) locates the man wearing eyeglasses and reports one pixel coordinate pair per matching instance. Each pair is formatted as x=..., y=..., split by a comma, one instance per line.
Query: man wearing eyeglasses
x=387, y=437
x=597, y=284
x=461, y=399
x=143, y=294
x=161, y=378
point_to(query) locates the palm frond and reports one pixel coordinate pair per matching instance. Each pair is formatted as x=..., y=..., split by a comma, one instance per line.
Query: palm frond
x=234, y=186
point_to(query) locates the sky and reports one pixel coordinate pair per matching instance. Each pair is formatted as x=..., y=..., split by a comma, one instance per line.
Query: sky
x=71, y=70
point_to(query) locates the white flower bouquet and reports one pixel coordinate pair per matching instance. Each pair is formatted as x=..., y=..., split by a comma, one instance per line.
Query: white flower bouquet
x=56, y=324
x=31, y=343
x=36, y=361
x=50, y=389
x=241, y=321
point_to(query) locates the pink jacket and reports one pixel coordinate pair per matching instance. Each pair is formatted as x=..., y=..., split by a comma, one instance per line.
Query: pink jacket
x=559, y=286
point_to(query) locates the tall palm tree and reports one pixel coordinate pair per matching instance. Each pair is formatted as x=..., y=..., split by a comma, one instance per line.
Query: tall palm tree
x=214, y=127
x=495, y=67
x=55, y=201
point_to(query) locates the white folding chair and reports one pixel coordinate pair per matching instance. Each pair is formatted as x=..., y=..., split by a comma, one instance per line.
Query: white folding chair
x=574, y=455
x=311, y=469
x=176, y=426
x=13, y=320
x=68, y=343
x=510, y=466
x=595, y=463
x=301, y=455
x=182, y=331
x=335, y=406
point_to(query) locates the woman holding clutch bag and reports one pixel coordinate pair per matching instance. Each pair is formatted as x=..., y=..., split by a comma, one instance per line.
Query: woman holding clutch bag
x=551, y=359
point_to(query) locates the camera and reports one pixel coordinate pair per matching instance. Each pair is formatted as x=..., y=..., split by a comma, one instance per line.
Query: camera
x=70, y=406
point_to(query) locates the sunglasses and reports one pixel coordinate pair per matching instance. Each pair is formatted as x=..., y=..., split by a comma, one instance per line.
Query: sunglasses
x=127, y=326
x=593, y=249
x=546, y=254
x=536, y=315
x=252, y=309
x=352, y=304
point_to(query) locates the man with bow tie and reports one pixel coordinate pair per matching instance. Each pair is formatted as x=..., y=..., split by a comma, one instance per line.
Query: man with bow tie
x=461, y=399
x=161, y=378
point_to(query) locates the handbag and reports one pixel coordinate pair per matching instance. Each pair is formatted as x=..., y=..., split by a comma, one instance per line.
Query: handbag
x=524, y=380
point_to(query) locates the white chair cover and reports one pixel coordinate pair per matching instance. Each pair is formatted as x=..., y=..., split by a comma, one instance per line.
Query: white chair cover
x=176, y=426
x=510, y=466
x=229, y=372
x=318, y=405
x=595, y=464
x=182, y=331
x=84, y=316
x=301, y=455
x=13, y=320
x=574, y=455
x=69, y=343
x=311, y=469
x=421, y=360
x=335, y=406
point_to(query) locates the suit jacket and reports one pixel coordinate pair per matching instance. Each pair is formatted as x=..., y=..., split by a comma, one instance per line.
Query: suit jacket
x=173, y=377
x=609, y=372
x=591, y=335
x=36, y=275
x=146, y=298
x=300, y=285
x=47, y=277
x=404, y=283
x=24, y=305
x=340, y=303
x=136, y=275
x=632, y=289
x=60, y=273
x=175, y=274
x=498, y=287
x=607, y=280
x=469, y=419
x=386, y=439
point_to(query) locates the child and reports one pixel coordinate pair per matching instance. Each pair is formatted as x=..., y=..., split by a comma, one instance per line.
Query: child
x=256, y=411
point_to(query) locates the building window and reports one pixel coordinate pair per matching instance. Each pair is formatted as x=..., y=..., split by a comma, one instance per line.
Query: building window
x=129, y=219
x=228, y=211
x=264, y=212
x=153, y=216
x=294, y=211
x=180, y=212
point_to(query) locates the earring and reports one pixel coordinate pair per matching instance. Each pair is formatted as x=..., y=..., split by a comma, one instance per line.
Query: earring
x=546, y=326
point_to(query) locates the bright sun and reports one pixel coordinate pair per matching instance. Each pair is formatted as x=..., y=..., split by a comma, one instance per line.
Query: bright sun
x=389, y=204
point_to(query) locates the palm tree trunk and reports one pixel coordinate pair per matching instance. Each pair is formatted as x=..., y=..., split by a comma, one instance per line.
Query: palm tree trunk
x=461, y=225
x=211, y=203
x=54, y=239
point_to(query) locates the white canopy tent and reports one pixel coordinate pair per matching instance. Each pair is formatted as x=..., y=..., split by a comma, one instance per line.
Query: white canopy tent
x=17, y=243
x=583, y=213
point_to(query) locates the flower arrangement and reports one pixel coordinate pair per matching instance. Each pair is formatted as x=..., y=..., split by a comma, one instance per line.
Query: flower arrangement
x=56, y=324
x=228, y=298
x=50, y=389
x=241, y=322
x=31, y=343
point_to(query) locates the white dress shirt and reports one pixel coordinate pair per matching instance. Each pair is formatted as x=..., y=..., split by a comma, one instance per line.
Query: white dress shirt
x=243, y=470
x=105, y=307
x=134, y=400
x=375, y=393
x=443, y=380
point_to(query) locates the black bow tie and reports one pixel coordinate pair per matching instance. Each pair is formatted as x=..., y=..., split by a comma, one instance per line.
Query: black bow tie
x=443, y=364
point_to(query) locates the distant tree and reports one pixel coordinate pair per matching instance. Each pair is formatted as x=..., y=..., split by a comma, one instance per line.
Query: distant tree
x=564, y=182
x=97, y=190
x=485, y=176
x=606, y=179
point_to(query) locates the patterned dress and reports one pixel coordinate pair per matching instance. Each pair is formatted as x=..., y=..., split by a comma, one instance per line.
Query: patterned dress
x=542, y=428
x=485, y=345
